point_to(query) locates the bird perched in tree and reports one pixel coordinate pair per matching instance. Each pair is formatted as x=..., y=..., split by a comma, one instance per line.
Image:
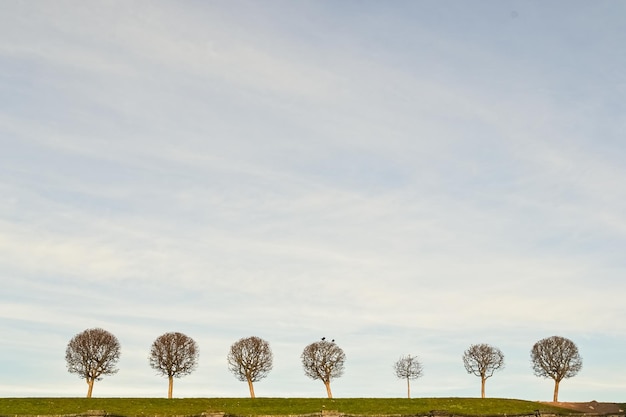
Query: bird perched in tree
x=323, y=338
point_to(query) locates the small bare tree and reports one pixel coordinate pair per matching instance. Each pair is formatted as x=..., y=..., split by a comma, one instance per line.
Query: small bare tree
x=174, y=355
x=408, y=367
x=557, y=358
x=250, y=359
x=483, y=360
x=324, y=361
x=92, y=354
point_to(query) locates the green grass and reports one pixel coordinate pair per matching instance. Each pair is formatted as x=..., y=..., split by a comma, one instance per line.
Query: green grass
x=132, y=407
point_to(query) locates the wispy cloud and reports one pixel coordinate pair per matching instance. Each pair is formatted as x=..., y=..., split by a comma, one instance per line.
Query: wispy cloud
x=364, y=174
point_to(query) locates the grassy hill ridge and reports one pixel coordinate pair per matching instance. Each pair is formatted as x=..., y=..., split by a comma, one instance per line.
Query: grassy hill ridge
x=137, y=407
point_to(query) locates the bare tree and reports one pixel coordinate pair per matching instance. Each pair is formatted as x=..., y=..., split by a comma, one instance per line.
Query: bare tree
x=250, y=359
x=408, y=367
x=324, y=361
x=174, y=355
x=557, y=358
x=483, y=360
x=92, y=354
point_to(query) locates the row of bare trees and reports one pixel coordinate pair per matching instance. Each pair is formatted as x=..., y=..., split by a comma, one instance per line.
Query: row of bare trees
x=554, y=357
x=94, y=353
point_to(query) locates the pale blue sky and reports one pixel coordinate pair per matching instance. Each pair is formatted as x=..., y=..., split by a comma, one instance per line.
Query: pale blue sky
x=405, y=177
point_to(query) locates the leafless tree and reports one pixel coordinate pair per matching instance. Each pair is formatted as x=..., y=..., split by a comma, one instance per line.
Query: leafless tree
x=556, y=357
x=250, y=359
x=483, y=360
x=408, y=367
x=323, y=360
x=174, y=355
x=92, y=354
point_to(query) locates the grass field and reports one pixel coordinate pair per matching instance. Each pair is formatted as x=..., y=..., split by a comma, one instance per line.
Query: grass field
x=270, y=406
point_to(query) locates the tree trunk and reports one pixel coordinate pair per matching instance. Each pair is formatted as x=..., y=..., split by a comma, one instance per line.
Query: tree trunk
x=556, y=391
x=482, y=386
x=408, y=388
x=90, y=389
x=170, y=388
x=251, y=387
x=328, y=391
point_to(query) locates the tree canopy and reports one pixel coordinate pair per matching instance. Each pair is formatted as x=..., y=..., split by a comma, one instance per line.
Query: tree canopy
x=483, y=360
x=92, y=354
x=174, y=355
x=408, y=367
x=250, y=359
x=557, y=358
x=323, y=360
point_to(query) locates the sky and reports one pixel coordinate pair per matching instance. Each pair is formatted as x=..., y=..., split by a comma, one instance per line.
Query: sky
x=406, y=177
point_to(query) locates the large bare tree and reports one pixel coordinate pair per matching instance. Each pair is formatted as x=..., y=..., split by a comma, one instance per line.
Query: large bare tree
x=323, y=360
x=408, y=367
x=92, y=354
x=483, y=360
x=250, y=359
x=556, y=357
x=174, y=355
